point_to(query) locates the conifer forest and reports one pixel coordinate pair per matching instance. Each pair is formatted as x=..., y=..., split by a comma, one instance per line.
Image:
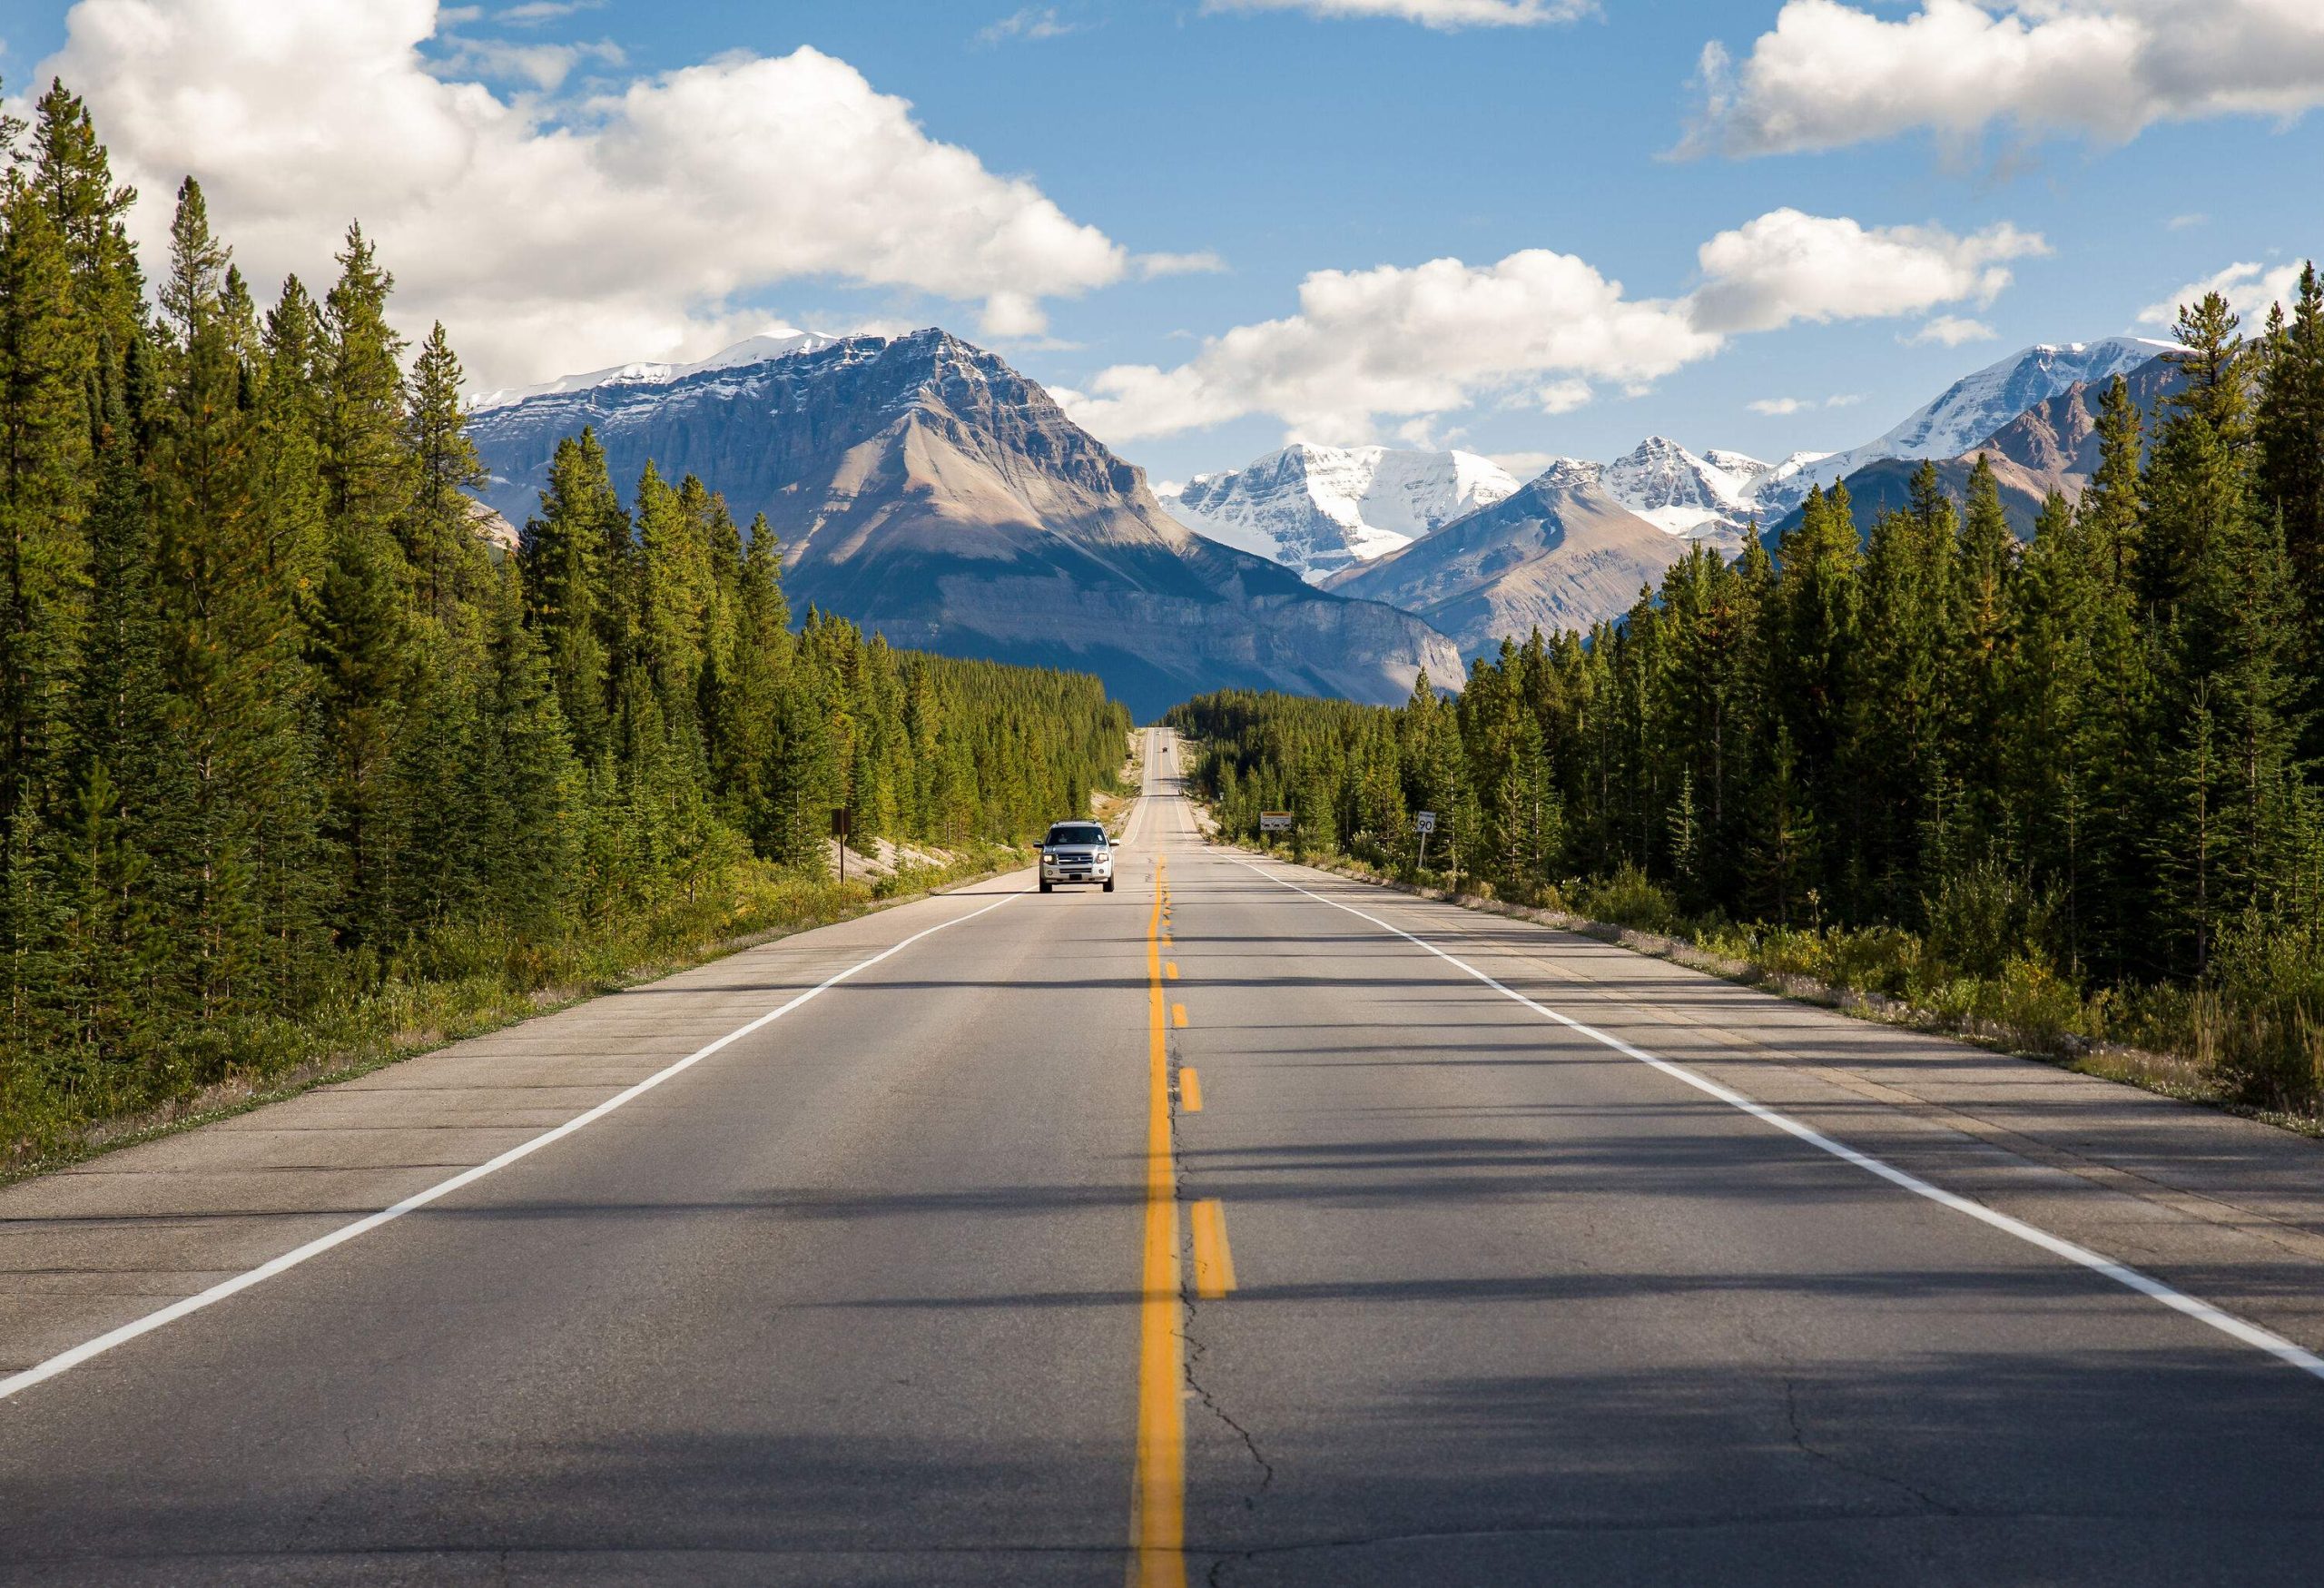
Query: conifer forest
x=2073, y=788
x=295, y=762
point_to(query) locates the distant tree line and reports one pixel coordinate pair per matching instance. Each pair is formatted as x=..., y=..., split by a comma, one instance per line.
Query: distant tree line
x=2094, y=754
x=280, y=729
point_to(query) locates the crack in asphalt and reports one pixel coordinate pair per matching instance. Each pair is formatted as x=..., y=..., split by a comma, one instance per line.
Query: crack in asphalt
x=1799, y=1442
x=1195, y=1349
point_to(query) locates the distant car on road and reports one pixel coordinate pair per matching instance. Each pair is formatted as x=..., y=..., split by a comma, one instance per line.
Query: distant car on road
x=1077, y=852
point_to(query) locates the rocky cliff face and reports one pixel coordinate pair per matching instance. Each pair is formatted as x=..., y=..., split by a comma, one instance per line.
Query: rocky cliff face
x=924, y=489
x=1561, y=553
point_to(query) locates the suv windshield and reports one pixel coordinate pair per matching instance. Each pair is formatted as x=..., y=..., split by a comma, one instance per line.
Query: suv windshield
x=1088, y=833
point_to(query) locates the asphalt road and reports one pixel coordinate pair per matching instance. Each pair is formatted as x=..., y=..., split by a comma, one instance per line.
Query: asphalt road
x=1489, y=1255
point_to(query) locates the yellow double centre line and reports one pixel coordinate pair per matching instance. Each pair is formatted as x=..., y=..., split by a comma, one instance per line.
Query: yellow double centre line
x=1158, y=1498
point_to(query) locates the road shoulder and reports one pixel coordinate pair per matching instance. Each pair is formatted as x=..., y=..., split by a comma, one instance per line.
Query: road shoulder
x=2228, y=1208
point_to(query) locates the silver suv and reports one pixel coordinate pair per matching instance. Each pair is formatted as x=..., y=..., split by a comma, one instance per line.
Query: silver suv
x=1077, y=852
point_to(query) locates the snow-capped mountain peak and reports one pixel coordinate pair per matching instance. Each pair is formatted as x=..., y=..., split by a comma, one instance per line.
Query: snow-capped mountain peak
x=1677, y=491
x=1571, y=474
x=779, y=342
x=1972, y=408
x=1319, y=509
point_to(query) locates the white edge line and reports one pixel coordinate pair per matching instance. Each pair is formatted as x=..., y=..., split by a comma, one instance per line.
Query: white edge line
x=65, y=1361
x=2146, y=1285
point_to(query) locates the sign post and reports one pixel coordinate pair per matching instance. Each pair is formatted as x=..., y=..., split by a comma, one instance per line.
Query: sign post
x=838, y=831
x=1426, y=821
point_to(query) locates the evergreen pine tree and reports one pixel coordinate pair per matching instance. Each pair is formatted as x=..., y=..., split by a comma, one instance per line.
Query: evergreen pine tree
x=562, y=556
x=230, y=649
x=2288, y=423
x=439, y=538
x=45, y=366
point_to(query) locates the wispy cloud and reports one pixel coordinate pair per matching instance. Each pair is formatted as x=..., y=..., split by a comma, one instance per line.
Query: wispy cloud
x=1437, y=14
x=1782, y=406
x=533, y=13
x=1204, y=264
x=543, y=66
x=1950, y=331
x=1034, y=22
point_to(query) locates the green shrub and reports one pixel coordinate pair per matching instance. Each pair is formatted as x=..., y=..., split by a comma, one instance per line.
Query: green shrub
x=2260, y=1025
x=1630, y=898
x=1981, y=918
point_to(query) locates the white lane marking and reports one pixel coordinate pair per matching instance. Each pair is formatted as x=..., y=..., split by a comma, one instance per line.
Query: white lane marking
x=2146, y=1285
x=65, y=1361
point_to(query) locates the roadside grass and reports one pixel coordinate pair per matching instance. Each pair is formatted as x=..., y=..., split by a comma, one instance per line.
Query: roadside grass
x=462, y=984
x=2261, y=1058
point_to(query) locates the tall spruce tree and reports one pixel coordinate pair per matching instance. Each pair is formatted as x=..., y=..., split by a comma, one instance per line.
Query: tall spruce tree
x=2288, y=424
x=45, y=483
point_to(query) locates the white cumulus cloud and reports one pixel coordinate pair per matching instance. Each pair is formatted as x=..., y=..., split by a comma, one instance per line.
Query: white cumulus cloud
x=2249, y=290
x=1831, y=74
x=1536, y=329
x=1436, y=14
x=1787, y=266
x=1396, y=340
x=552, y=236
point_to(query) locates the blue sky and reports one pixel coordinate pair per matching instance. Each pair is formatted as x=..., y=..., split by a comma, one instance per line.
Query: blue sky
x=2046, y=196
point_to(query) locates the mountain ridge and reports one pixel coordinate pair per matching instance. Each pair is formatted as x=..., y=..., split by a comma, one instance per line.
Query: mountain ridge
x=1320, y=509
x=2051, y=445
x=921, y=487
x=1560, y=554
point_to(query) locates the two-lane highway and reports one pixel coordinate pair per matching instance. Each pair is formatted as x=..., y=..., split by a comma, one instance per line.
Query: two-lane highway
x=1245, y=1224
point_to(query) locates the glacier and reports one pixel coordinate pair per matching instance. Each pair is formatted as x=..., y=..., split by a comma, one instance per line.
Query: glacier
x=1320, y=509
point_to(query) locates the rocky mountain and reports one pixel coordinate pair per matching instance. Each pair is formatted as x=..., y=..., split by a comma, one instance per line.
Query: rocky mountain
x=1319, y=509
x=773, y=344
x=2052, y=445
x=1560, y=554
x=1709, y=497
x=1760, y=479
x=500, y=535
x=1682, y=494
x=924, y=489
x=1968, y=411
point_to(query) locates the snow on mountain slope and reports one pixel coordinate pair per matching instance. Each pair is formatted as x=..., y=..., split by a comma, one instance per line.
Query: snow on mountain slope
x=1681, y=493
x=1318, y=509
x=1707, y=496
x=779, y=343
x=1560, y=555
x=1741, y=465
x=1969, y=410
